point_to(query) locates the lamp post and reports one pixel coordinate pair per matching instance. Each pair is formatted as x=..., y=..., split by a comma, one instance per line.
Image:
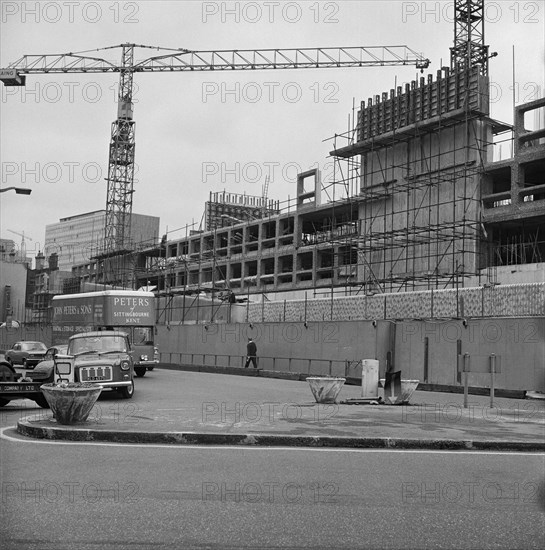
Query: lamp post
x=18, y=190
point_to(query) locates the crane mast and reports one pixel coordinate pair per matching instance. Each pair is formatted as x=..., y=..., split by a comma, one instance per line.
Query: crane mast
x=122, y=143
x=121, y=162
x=469, y=48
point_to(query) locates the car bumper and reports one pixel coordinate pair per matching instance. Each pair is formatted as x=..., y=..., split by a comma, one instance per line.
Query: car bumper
x=33, y=362
x=19, y=390
x=107, y=385
x=146, y=364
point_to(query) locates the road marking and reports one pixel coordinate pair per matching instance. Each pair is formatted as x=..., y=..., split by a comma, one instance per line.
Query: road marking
x=24, y=439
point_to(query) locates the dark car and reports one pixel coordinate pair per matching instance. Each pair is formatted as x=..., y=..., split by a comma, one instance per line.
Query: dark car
x=28, y=354
x=14, y=385
x=44, y=369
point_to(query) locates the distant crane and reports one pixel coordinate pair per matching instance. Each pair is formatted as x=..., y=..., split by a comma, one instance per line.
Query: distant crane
x=23, y=245
x=265, y=193
x=122, y=143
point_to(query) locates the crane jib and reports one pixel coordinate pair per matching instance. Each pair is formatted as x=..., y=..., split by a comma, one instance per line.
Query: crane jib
x=122, y=145
x=188, y=60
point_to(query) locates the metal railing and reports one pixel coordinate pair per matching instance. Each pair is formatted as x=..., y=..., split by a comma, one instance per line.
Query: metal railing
x=301, y=365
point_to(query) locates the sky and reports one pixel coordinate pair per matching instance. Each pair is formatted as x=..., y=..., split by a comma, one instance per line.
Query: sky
x=203, y=132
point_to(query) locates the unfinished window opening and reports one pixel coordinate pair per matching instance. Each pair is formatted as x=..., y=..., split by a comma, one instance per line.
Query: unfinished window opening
x=251, y=269
x=325, y=258
x=534, y=180
x=348, y=255
x=195, y=246
x=286, y=264
x=269, y=230
x=206, y=275
x=302, y=277
x=308, y=188
x=252, y=233
x=522, y=244
x=267, y=266
x=325, y=274
x=193, y=277
x=287, y=226
x=534, y=119
x=501, y=179
x=236, y=240
x=316, y=231
x=208, y=243
x=222, y=239
x=236, y=271
x=220, y=273
x=181, y=279
x=305, y=261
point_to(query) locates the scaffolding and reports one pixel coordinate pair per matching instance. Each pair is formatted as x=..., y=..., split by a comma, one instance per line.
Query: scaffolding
x=418, y=156
x=403, y=211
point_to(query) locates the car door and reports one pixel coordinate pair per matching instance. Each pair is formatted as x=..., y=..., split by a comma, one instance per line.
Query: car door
x=15, y=353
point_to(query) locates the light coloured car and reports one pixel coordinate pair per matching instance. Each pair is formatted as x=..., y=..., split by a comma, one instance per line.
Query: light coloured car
x=28, y=354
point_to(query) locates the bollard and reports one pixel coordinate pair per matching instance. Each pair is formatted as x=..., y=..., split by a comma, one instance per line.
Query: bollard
x=369, y=378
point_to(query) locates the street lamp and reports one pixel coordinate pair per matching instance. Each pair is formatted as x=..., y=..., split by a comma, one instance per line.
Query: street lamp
x=18, y=190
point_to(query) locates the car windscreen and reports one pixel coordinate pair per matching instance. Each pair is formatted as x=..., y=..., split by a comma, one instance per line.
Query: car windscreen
x=97, y=344
x=33, y=346
x=142, y=336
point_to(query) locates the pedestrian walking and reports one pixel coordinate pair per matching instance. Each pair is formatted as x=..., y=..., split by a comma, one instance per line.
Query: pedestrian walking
x=251, y=354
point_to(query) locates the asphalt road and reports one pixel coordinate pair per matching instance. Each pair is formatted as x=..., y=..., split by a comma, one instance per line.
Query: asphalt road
x=90, y=496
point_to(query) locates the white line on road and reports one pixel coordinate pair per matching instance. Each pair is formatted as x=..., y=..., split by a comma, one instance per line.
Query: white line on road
x=253, y=447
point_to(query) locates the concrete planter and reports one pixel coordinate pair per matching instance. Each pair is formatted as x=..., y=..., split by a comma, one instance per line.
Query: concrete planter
x=408, y=387
x=71, y=404
x=325, y=389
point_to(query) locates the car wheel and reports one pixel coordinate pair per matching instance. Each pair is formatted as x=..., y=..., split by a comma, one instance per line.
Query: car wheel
x=41, y=401
x=7, y=373
x=140, y=371
x=127, y=391
x=3, y=402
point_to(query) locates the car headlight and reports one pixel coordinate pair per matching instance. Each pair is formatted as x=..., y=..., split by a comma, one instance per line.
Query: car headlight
x=125, y=365
x=143, y=358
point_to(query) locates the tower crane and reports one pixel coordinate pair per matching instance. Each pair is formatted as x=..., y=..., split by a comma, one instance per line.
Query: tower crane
x=23, y=237
x=122, y=142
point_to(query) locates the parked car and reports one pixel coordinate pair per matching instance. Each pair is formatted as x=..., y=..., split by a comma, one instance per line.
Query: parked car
x=28, y=354
x=44, y=369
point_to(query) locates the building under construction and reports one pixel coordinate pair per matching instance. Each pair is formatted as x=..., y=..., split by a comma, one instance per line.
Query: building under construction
x=413, y=254
x=432, y=209
x=426, y=204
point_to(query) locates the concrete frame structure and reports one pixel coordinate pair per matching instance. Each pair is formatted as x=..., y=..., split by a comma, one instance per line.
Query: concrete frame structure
x=431, y=211
x=224, y=209
x=422, y=153
x=514, y=196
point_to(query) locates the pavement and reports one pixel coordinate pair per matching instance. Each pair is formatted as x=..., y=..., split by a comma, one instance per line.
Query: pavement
x=209, y=408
